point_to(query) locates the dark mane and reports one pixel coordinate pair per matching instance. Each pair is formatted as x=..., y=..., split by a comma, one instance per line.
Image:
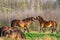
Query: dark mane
x=14, y=21
x=27, y=19
x=40, y=18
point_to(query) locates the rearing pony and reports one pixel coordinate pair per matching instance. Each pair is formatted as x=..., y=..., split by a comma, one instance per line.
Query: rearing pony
x=22, y=23
x=47, y=24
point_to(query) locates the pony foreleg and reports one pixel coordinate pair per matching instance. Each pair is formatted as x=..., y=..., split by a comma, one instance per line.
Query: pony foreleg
x=52, y=29
x=40, y=30
x=43, y=30
x=26, y=29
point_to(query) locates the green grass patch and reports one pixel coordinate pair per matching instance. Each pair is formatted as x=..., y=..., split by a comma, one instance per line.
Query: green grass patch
x=40, y=35
x=33, y=35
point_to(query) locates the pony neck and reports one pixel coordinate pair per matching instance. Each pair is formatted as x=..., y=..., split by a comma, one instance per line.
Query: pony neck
x=42, y=20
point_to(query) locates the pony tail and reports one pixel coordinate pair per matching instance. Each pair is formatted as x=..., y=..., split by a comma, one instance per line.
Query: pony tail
x=0, y=32
x=11, y=23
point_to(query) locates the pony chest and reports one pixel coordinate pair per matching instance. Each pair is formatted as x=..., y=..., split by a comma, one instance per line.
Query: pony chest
x=21, y=24
x=49, y=24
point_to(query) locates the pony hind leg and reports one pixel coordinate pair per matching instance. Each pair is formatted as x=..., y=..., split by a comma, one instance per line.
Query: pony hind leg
x=27, y=30
x=54, y=29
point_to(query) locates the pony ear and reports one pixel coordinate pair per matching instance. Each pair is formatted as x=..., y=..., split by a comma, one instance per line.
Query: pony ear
x=32, y=17
x=38, y=17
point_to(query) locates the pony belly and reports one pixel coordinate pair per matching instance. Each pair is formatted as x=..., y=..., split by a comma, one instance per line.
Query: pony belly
x=22, y=25
x=49, y=25
x=27, y=24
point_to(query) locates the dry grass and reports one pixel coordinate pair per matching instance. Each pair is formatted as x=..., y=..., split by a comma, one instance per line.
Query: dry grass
x=49, y=38
x=44, y=38
x=4, y=38
x=36, y=36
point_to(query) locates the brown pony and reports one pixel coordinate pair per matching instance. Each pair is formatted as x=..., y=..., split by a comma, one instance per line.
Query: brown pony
x=22, y=23
x=47, y=24
x=12, y=32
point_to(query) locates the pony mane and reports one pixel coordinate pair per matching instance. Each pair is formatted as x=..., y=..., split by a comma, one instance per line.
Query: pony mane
x=40, y=17
x=27, y=19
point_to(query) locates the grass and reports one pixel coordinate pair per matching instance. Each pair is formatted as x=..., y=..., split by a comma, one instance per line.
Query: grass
x=38, y=36
x=33, y=36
